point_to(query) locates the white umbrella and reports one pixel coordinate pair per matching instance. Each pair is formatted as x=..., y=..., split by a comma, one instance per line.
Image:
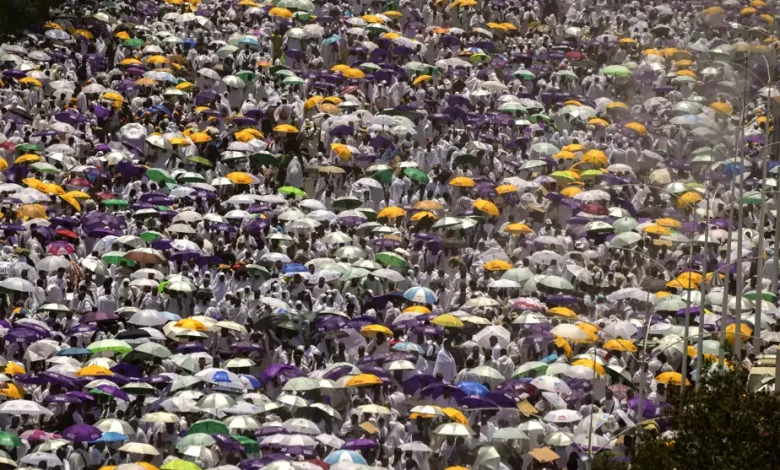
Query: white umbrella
x=562, y=416
x=23, y=408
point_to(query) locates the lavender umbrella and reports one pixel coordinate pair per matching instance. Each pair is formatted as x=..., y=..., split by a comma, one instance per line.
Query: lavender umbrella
x=82, y=433
x=360, y=444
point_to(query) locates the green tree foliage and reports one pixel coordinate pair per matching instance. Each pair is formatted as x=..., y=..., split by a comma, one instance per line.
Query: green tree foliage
x=720, y=427
x=17, y=15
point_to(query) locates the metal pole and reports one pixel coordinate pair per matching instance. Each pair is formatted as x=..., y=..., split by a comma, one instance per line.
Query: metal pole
x=687, y=316
x=740, y=221
x=703, y=285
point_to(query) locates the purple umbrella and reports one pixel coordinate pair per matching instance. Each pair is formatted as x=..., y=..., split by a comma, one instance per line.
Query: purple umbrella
x=282, y=372
x=24, y=335
x=113, y=391
x=96, y=317
x=228, y=444
x=82, y=433
x=360, y=444
x=649, y=409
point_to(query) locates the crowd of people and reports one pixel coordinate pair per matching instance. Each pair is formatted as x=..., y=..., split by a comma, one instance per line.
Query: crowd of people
x=415, y=234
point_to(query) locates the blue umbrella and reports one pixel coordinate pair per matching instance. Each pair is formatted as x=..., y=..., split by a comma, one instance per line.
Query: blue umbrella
x=345, y=456
x=407, y=346
x=294, y=268
x=420, y=295
x=472, y=388
x=112, y=437
x=74, y=352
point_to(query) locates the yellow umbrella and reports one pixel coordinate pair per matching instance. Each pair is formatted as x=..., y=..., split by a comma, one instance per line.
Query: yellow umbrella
x=51, y=188
x=329, y=108
x=32, y=211
x=463, y=182
x=353, y=73
x=3, y=164
x=598, y=122
x=371, y=19
x=51, y=25
x=146, y=81
x=280, y=12
x=157, y=59
x=721, y=107
x=390, y=35
x=689, y=200
x=343, y=151
x=620, y=345
x=364, y=379
x=498, y=26
x=497, y=265
x=655, y=229
x=340, y=68
x=636, y=127
x=391, y=212
x=571, y=191
x=200, y=137
x=28, y=158
x=34, y=183
x=674, y=378
x=563, y=312
x=563, y=344
x=12, y=391
x=286, y=129
x=448, y=321
x=744, y=329
x=429, y=205
x=78, y=195
x=690, y=279
x=247, y=3
x=84, y=33
x=417, y=309
x=714, y=11
x=253, y=132
x=683, y=63
x=668, y=223
x=506, y=189
x=93, y=370
x=312, y=102
x=574, y=148
x=239, y=177
x=591, y=364
x=518, y=227
x=565, y=155
x=421, y=79
x=589, y=328
x=455, y=415
x=595, y=157
x=686, y=73
x=180, y=141
x=243, y=136
x=627, y=41
x=13, y=368
x=652, y=52
x=748, y=11
x=333, y=99
x=487, y=207
x=190, y=324
x=72, y=201
x=112, y=96
x=422, y=215
x=393, y=14
x=31, y=81
x=185, y=86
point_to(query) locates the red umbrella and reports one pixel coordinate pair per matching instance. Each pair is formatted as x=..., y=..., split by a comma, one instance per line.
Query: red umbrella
x=80, y=182
x=576, y=55
x=66, y=233
x=105, y=195
x=595, y=209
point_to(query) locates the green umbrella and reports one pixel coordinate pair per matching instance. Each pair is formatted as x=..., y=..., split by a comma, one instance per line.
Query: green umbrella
x=591, y=174
x=117, y=258
x=246, y=75
x=766, y=296
x=539, y=117
x=28, y=148
x=258, y=271
x=369, y=66
x=751, y=197
x=116, y=203
x=161, y=287
x=151, y=236
x=391, y=259
x=417, y=175
x=524, y=74
x=616, y=70
x=44, y=167
x=683, y=79
x=191, y=177
x=158, y=175
x=288, y=190
x=284, y=73
x=522, y=371
x=369, y=213
x=383, y=176
x=355, y=273
x=197, y=439
x=201, y=160
x=479, y=58
x=153, y=349
x=515, y=109
x=347, y=202
x=110, y=345
x=293, y=81
x=624, y=224
x=180, y=464
x=10, y=440
x=208, y=426
x=250, y=445
x=133, y=42
x=264, y=158
x=567, y=74
x=302, y=5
